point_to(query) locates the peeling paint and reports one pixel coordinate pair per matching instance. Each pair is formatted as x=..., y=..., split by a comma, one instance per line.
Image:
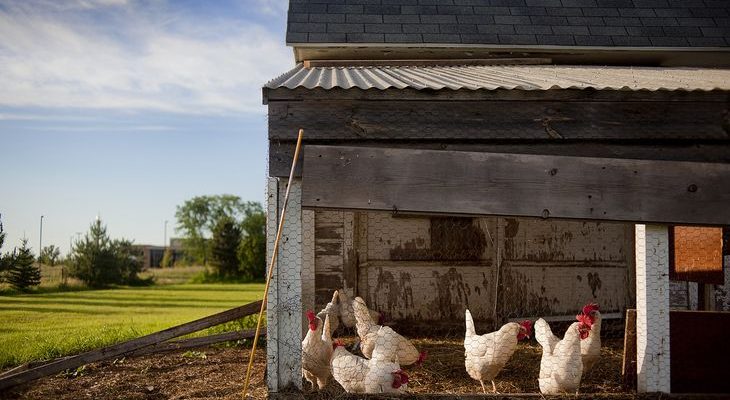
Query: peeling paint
x=594, y=281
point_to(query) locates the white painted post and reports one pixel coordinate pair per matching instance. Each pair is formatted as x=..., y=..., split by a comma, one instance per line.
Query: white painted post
x=284, y=306
x=652, y=308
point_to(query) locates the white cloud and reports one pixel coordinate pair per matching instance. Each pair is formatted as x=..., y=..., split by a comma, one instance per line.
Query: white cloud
x=127, y=58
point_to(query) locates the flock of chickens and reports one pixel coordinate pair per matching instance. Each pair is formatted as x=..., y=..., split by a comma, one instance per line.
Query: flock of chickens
x=563, y=361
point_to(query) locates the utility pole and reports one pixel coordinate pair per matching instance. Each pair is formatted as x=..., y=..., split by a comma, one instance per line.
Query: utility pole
x=164, y=241
x=40, y=244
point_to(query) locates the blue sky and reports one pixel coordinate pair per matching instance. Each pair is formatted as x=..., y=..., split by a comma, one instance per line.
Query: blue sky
x=127, y=108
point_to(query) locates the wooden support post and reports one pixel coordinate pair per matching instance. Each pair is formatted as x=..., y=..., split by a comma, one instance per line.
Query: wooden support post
x=652, y=308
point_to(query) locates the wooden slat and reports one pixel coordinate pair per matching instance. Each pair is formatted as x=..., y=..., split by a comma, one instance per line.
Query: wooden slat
x=470, y=120
x=470, y=183
x=281, y=153
x=194, y=342
x=128, y=346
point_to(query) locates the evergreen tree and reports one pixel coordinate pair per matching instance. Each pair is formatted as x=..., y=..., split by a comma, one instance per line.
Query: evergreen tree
x=99, y=261
x=224, y=247
x=23, y=271
x=4, y=258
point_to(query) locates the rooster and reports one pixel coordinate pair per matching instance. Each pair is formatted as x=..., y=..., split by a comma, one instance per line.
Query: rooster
x=317, y=351
x=367, y=330
x=380, y=374
x=561, y=366
x=487, y=354
x=590, y=347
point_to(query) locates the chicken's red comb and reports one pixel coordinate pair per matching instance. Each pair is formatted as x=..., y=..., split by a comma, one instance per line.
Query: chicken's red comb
x=310, y=315
x=590, y=307
x=585, y=319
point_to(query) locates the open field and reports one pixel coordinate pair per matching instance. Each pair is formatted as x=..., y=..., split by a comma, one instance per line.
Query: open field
x=47, y=325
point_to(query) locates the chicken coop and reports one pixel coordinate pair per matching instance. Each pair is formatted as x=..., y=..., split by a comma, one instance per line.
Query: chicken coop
x=442, y=173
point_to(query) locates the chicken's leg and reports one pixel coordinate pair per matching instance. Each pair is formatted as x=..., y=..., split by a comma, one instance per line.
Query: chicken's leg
x=494, y=388
x=484, y=389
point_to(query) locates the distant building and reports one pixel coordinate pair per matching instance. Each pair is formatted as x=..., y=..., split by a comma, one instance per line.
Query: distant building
x=152, y=255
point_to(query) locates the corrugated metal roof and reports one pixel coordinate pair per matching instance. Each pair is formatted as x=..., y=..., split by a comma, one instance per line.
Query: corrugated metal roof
x=491, y=77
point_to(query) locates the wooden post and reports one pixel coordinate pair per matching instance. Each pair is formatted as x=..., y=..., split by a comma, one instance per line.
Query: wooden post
x=652, y=308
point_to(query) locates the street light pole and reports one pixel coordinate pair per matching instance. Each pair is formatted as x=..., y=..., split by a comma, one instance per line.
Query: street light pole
x=40, y=244
x=164, y=241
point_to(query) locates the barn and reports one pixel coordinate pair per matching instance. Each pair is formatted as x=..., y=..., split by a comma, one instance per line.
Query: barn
x=518, y=158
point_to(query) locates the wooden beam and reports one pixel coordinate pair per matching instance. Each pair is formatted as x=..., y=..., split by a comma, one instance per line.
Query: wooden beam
x=453, y=182
x=481, y=120
x=281, y=152
x=127, y=347
x=428, y=62
x=569, y=95
x=192, y=343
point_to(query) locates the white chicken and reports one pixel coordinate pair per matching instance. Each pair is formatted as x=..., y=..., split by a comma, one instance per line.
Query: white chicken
x=590, y=347
x=381, y=374
x=332, y=309
x=486, y=355
x=367, y=330
x=561, y=366
x=347, y=312
x=384, y=373
x=340, y=310
x=317, y=351
x=348, y=369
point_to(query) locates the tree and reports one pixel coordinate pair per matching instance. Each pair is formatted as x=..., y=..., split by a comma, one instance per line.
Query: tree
x=50, y=255
x=4, y=262
x=252, y=250
x=167, y=258
x=99, y=261
x=197, y=217
x=224, y=248
x=23, y=272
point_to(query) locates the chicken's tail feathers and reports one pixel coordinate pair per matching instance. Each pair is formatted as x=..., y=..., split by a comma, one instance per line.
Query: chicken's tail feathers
x=362, y=314
x=335, y=297
x=326, y=331
x=470, y=330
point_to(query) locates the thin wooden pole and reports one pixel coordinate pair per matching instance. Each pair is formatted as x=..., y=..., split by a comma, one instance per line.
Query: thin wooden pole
x=272, y=263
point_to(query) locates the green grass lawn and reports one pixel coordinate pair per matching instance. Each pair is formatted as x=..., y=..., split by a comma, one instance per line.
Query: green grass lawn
x=47, y=325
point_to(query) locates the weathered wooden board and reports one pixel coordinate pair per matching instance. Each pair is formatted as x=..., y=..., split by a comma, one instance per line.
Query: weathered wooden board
x=281, y=152
x=695, y=254
x=475, y=120
x=516, y=185
x=698, y=355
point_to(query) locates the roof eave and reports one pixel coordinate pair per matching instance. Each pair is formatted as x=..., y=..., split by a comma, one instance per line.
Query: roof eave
x=658, y=56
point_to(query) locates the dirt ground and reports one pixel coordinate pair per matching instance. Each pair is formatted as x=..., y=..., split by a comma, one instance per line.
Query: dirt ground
x=218, y=373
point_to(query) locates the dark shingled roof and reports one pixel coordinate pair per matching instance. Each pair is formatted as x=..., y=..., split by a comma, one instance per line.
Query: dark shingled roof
x=625, y=23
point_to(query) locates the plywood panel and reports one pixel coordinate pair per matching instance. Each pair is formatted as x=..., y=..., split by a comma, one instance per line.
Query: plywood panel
x=516, y=184
x=530, y=239
x=696, y=254
x=428, y=292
